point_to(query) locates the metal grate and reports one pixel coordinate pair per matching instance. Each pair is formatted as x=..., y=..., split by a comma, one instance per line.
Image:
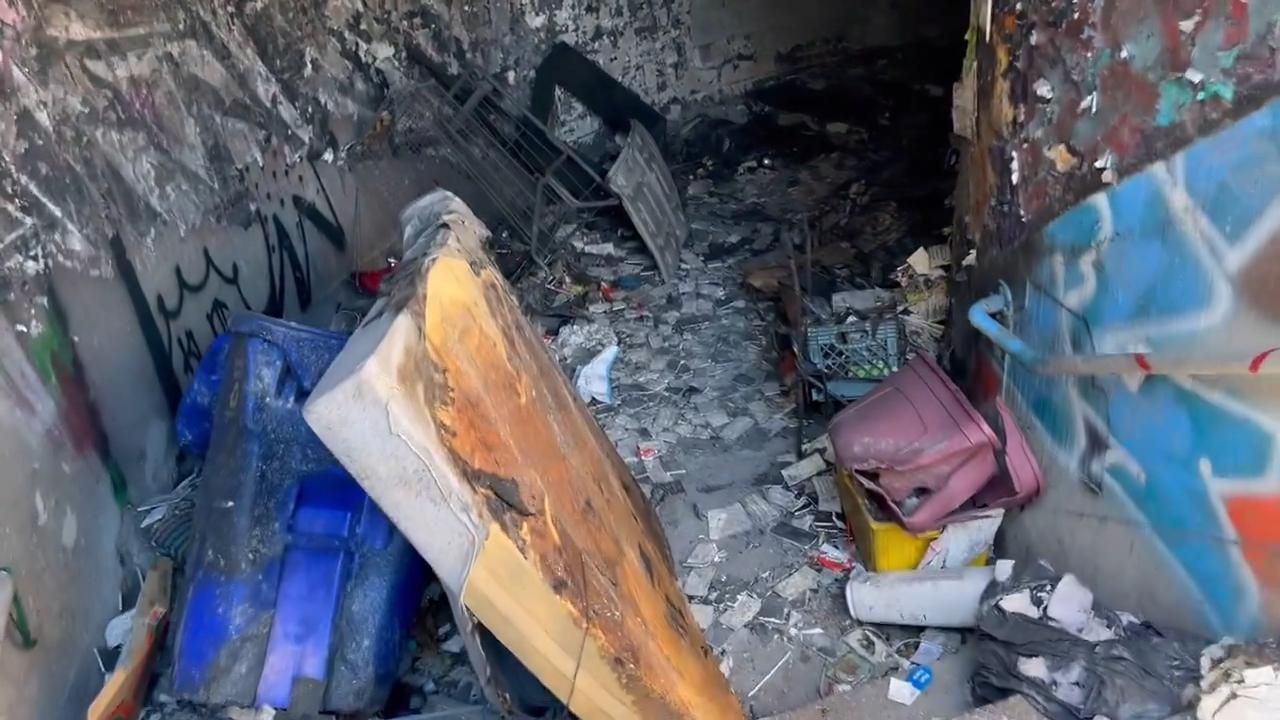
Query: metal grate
x=534, y=180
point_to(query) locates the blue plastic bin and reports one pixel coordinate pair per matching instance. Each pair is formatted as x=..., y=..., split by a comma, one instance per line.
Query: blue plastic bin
x=300, y=590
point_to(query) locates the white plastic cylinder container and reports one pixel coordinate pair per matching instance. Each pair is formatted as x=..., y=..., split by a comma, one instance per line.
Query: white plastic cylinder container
x=926, y=598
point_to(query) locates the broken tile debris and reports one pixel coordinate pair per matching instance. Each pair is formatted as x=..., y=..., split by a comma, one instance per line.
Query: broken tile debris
x=698, y=581
x=799, y=537
x=728, y=521
x=802, y=470
x=703, y=554
x=828, y=496
x=704, y=615
x=797, y=583
x=742, y=612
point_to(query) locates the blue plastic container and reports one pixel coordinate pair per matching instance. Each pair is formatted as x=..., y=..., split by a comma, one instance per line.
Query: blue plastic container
x=300, y=591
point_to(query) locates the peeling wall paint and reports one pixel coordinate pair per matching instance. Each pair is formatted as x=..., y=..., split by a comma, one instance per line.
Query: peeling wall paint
x=172, y=163
x=1085, y=92
x=135, y=118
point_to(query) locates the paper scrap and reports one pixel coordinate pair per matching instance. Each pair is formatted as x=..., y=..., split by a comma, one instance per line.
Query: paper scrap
x=962, y=542
x=737, y=428
x=743, y=611
x=828, y=495
x=901, y=692
x=803, y=470
x=780, y=496
x=727, y=521
x=704, y=553
x=762, y=512
x=797, y=583
x=704, y=615
x=698, y=581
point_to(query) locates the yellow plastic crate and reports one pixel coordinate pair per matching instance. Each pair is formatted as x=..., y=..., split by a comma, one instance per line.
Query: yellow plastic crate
x=882, y=545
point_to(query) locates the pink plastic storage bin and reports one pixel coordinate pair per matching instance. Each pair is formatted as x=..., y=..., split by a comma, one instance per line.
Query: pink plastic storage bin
x=917, y=432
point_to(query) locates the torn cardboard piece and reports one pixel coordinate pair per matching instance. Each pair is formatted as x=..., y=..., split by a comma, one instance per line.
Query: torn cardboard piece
x=449, y=411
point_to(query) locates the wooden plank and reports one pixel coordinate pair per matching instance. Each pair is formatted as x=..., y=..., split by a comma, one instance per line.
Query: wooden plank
x=121, y=696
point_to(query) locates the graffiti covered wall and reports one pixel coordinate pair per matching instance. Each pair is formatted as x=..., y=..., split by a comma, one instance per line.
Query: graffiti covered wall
x=1167, y=489
x=1120, y=160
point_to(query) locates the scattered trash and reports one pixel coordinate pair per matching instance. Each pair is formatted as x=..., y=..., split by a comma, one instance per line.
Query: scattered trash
x=654, y=327
x=736, y=428
x=1031, y=645
x=882, y=543
x=698, y=581
x=657, y=474
x=799, y=537
x=14, y=613
x=828, y=496
x=728, y=521
x=873, y=648
x=168, y=521
x=863, y=302
x=961, y=543
x=118, y=629
x=927, y=653
x=593, y=379
x=847, y=672
x=743, y=611
x=762, y=512
x=780, y=496
x=930, y=261
x=948, y=640
x=1239, y=681
x=773, y=611
x=835, y=559
x=797, y=583
x=769, y=675
x=803, y=469
x=905, y=691
x=704, y=615
x=703, y=554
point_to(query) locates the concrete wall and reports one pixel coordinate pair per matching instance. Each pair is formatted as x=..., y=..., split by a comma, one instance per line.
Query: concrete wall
x=169, y=164
x=58, y=522
x=1123, y=178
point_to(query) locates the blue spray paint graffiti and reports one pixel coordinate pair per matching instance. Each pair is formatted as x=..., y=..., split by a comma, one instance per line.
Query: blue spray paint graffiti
x=1153, y=264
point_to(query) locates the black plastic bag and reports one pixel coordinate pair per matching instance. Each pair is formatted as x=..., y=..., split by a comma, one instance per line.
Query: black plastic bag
x=1125, y=669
